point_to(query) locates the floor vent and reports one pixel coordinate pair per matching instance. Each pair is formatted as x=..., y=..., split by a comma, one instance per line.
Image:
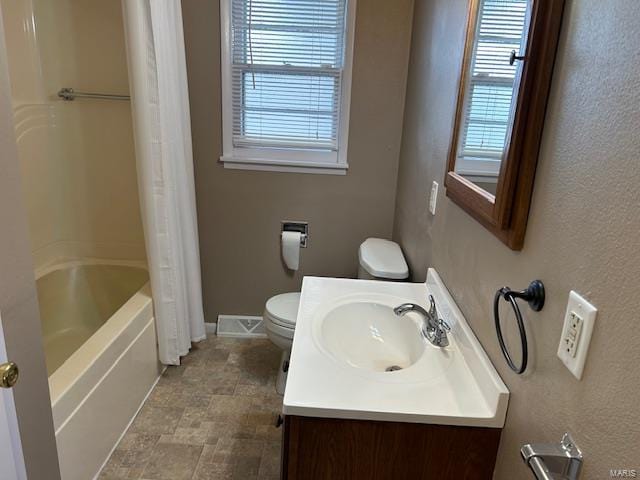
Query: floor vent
x=240, y=326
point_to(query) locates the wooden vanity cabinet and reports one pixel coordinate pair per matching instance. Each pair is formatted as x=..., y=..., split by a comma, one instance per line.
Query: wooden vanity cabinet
x=336, y=449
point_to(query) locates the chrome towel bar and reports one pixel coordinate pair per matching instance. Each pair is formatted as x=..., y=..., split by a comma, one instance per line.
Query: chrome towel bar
x=69, y=94
x=553, y=461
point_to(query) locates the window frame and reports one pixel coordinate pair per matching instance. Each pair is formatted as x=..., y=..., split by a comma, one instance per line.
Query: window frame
x=285, y=160
x=505, y=214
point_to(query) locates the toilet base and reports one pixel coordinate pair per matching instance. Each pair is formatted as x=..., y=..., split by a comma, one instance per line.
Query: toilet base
x=281, y=381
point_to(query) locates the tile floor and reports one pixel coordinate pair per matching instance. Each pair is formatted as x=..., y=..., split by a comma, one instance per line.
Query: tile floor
x=212, y=418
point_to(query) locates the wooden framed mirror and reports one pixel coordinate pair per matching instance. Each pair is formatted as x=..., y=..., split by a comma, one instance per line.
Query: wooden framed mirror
x=504, y=84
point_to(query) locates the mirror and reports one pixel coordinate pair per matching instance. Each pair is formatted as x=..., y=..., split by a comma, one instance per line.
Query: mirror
x=503, y=88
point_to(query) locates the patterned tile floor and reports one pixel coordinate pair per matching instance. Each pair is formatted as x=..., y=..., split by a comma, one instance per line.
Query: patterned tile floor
x=212, y=418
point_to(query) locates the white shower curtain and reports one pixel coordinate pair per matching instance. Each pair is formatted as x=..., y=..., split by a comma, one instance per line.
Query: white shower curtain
x=158, y=81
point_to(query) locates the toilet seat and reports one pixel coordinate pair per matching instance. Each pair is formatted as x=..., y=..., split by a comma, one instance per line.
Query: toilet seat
x=280, y=314
x=282, y=310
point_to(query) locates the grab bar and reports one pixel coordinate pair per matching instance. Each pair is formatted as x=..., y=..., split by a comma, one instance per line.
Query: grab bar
x=69, y=94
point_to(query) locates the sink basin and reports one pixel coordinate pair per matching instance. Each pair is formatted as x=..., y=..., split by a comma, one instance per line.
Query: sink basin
x=370, y=336
x=347, y=337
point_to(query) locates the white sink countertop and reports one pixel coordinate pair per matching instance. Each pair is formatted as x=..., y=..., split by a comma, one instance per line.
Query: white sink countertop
x=335, y=377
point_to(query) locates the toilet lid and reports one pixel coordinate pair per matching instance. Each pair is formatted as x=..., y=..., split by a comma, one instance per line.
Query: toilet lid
x=283, y=308
x=383, y=259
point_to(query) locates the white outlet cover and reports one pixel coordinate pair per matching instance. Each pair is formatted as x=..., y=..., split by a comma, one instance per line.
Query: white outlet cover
x=433, y=198
x=575, y=360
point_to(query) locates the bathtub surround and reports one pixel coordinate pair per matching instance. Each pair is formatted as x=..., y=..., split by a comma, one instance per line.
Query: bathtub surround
x=77, y=158
x=582, y=232
x=239, y=212
x=155, y=48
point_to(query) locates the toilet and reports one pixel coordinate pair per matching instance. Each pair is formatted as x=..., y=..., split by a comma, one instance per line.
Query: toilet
x=379, y=259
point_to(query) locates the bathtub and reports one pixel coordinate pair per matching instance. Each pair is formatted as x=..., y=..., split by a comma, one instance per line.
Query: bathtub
x=101, y=352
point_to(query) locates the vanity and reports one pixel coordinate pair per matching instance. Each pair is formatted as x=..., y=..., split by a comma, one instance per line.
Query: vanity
x=369, y=397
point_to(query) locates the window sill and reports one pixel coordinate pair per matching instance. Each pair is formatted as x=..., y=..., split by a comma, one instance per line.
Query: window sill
x=476, y=176
x=284, y=166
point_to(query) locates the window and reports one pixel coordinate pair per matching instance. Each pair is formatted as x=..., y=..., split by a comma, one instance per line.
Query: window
x=286, y=83
x=491, y=89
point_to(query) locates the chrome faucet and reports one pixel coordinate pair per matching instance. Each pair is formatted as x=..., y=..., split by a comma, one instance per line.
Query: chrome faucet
x=433, y=329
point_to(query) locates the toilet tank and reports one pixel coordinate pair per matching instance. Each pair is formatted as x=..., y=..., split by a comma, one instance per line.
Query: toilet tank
x=381, y=260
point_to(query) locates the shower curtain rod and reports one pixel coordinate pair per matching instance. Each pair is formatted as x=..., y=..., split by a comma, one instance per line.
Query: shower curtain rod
x=70, y=94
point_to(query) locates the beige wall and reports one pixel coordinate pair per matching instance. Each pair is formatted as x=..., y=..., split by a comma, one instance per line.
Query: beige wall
x=240, y=211
x=19, y=306
x=582, y=234
x=77, y=158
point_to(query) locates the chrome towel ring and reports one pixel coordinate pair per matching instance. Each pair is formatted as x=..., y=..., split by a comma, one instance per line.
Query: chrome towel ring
x=534, y=296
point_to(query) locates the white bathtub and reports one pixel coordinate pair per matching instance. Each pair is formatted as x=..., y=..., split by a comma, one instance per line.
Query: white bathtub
x=101, y=350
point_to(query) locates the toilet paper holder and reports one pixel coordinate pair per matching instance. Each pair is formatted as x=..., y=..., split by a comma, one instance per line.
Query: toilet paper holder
x=302, y=227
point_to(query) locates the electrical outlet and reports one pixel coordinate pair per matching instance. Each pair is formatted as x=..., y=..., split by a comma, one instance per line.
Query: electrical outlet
x=433, y=198
x=576, y=333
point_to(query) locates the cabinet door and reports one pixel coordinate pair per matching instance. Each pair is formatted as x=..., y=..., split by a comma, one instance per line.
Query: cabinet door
x=335, y=449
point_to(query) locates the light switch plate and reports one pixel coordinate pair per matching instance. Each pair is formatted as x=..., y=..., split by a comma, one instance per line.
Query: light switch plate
x=576, y=333
x=433, y=198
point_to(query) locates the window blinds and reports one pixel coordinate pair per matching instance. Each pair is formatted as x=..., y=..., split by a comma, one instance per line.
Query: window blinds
x=490, y=89
x=286, y=73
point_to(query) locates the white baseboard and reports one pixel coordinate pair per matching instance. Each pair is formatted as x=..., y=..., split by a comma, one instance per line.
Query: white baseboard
x=210, y=328
x=241, y=326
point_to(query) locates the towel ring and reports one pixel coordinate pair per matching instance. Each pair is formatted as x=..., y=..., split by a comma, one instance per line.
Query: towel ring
x=534, y=296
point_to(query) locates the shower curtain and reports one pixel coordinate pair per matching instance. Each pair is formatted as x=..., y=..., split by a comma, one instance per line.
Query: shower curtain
x=162, y=128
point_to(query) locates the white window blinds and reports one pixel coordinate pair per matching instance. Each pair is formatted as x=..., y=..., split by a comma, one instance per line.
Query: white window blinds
x=287, y=59
x=490, y=90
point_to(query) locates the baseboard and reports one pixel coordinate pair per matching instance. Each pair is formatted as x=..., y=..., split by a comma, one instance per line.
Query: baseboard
x=241, y=326
x=210, y=328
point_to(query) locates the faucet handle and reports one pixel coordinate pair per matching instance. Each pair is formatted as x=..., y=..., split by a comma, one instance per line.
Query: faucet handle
x=433, y=311
x=444, y=325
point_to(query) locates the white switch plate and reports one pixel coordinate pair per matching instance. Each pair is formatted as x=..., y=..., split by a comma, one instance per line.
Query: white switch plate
x=576, y=333
x=433, y=198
